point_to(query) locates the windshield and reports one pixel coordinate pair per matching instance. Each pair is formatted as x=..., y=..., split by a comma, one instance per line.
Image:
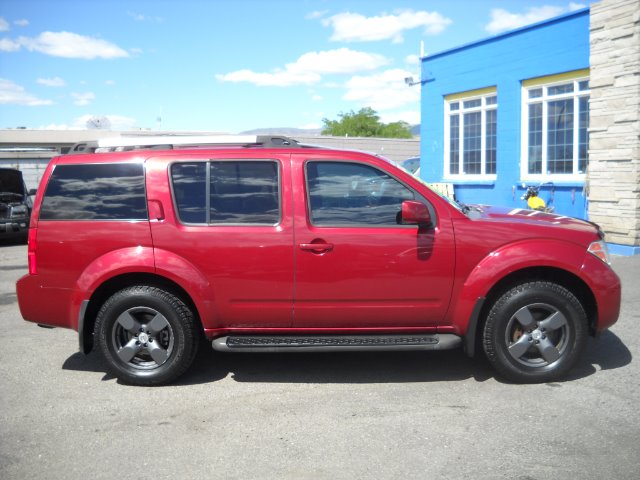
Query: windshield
x=411, y=165
x=434, y=187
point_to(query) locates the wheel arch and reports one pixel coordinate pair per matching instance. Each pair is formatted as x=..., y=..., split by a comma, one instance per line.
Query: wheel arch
x=119, y=282
x=566, y=279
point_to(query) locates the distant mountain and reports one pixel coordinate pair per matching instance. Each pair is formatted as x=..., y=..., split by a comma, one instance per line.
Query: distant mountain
x=288, y=131
x=283, y=131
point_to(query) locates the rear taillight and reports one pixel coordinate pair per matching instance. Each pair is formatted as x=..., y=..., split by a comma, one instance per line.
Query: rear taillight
x=31, y=251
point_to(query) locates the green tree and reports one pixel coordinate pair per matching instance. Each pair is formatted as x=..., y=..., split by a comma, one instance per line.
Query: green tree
x=364, y=123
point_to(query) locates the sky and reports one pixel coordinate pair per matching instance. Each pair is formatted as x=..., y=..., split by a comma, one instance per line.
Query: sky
x=231, y=66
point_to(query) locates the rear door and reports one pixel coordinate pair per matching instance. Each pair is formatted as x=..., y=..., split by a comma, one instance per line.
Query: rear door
x=356, y=265
x=230, y=218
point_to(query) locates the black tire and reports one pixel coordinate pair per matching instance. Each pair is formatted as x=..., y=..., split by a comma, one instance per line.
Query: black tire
x=535, y=332
x=147, y=336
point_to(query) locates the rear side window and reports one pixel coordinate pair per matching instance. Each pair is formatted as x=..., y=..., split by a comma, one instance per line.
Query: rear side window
x=95, y=192
x=190, y=191
x=227, y=192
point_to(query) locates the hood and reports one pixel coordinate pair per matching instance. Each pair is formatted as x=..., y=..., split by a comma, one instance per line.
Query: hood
x=532, y=217
x=11, y=186
x=11, y=181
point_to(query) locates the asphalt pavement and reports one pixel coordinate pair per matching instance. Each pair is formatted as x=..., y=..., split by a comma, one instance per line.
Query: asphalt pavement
x=386, y=415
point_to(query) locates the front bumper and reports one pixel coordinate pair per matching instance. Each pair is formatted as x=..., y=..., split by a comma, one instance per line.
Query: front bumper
x=607, y=290
x=18, y=227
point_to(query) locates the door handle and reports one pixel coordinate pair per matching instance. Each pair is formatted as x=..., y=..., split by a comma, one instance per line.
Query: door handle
x=156, y=212
x=317, y=247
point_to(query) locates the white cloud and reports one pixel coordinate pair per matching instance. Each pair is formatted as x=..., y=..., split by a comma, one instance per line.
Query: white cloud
x=341, y=60
x=316, y=14
x=382, y=91
x=307, y=70
x=4, y=25
x=276, y=79
x=57, y=126
x=82, y=99
x=412, y=60
x=354, y=27
x=502, y=20
x=8, y=45
x=412, y=117
x=12, y=93
x=68, y=45
x=139, y=17
x=117, y=122
x=23, y=22
x=51, y=82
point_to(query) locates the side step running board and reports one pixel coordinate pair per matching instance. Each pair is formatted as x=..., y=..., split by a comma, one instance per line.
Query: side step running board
x=325, y=343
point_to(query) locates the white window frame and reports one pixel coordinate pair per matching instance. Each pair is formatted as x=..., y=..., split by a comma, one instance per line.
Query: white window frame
x=576, y=95
x=483, y=109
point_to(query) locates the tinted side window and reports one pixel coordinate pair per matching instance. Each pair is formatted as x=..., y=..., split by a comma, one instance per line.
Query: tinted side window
x=190, y=191
x=244, y=192
x=95, y=192
x=238, y=192
x=344, y=193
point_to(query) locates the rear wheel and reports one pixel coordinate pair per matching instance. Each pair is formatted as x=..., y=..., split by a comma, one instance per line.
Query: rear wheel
x=535, y=332
x=146, y=335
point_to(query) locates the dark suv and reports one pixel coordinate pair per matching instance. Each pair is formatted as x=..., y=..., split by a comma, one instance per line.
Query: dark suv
x=147, y=245
x=15, y=204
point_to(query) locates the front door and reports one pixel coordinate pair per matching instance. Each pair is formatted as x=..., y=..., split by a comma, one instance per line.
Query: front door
x=357, y=266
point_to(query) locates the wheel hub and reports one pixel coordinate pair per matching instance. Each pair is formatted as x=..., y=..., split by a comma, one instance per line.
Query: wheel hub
x=537, y=335
x=142, y=338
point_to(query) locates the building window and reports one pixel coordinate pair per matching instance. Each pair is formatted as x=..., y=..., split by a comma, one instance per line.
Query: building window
x=555, y=124
x=471, y=133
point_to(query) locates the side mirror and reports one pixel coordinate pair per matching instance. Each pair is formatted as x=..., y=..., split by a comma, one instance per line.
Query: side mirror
x=415, y=213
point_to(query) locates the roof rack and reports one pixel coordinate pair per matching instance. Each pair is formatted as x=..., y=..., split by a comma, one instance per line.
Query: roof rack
x=168, y=142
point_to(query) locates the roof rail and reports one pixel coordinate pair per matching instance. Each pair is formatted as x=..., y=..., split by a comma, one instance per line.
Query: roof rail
x=168, y=142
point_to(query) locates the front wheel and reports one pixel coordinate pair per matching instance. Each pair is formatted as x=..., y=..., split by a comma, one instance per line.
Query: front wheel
x=146, y=335
x=535, y=332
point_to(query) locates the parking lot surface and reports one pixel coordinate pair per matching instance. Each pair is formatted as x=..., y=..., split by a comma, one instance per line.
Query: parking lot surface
x=316, y=416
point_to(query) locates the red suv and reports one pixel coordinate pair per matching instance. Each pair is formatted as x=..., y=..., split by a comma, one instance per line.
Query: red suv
x=147, y=245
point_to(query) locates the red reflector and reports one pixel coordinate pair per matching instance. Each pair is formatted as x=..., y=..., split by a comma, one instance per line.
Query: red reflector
x=31, y=251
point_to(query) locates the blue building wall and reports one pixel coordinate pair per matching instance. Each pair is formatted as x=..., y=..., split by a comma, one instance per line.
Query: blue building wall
x=551, y=47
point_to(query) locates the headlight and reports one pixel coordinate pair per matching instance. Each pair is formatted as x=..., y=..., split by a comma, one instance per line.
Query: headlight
x=19, y=211
x=600, y=250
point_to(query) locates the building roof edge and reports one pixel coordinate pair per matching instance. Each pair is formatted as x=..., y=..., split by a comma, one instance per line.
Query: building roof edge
x=517, y=31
